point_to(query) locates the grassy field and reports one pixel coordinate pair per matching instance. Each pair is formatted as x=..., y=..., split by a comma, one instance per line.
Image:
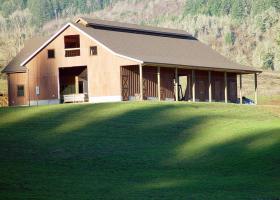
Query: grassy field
x=140, y=151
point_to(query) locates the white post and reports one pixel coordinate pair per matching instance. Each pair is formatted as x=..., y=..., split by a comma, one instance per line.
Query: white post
x=176, y=84
x=256, y=88
x=240, y=88
x=193, y=84
x=210, y=86
x=158, y=82
x=226, y=89
x=141, y=81
x=76, y=84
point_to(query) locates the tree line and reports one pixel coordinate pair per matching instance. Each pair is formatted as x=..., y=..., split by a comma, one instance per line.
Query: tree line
x=238, y=9
x=46, y=10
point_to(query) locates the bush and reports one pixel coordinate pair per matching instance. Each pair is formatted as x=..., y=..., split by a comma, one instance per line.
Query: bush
x=267, y=19
x=268, y=61
x=230, y=38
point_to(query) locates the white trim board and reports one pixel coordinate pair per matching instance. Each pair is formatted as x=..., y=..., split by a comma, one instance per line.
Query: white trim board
x=105, y=99
x=81, y=31
x=44, y=102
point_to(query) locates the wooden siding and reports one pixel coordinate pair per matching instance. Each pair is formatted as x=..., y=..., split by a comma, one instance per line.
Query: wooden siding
x=13, y=81
x=131, y=88
x=130, y=82
x=150, y=83
x=201, y=86
x=167, y=76
x=232, y=87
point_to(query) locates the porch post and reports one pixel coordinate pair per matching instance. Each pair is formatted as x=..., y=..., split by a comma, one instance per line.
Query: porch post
x=158, y=82
x=176, y=84
x=193, y=85
x=76, y=84
x=226, y=89
x=240, y=88
x=256, y=88
x=141, y=81
x=210, y=86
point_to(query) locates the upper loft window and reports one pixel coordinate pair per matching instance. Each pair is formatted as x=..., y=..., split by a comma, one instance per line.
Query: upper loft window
x=51, y=53
x=72, y=41
x=93, y=51
x=20, y=90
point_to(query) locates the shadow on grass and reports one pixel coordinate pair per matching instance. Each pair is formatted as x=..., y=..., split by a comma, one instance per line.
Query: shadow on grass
x=130, y=151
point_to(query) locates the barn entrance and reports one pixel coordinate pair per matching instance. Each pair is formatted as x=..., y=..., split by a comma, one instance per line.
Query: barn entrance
x=184, y=85
x=73, y=82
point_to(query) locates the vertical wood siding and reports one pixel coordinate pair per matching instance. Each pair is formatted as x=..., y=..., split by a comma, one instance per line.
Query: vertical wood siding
x=201, y=89
x=167, y=83
x=149, y=82
x=14, y=80
x=232, y=87
x=130, y=81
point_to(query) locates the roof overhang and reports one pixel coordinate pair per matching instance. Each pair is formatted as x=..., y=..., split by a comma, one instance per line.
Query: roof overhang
x=202, y=68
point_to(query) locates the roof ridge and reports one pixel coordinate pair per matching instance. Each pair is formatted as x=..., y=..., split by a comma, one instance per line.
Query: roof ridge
x=114, y=25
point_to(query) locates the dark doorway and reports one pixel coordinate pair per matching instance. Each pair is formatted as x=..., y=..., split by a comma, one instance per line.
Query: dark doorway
x=73, y=80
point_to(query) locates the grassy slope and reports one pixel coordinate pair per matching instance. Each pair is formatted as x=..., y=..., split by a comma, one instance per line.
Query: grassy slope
x=140, y=151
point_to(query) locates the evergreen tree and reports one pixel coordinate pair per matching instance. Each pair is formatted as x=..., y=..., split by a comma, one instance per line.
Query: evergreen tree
x=238, y=9
x=276, y=4
x=41, y=10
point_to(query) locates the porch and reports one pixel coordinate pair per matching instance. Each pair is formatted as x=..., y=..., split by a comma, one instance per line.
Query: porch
x=173, y=83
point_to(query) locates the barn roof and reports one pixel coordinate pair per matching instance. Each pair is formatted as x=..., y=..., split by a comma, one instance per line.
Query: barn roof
x=144, y=44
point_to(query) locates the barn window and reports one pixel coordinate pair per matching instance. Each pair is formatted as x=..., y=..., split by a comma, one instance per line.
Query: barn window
x=72, y=41
x=51, y=53
x=93, y=50
x=20, y=90
x=72, y=45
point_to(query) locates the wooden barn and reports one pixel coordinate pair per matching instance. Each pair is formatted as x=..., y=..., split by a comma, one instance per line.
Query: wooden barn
x=104, y=61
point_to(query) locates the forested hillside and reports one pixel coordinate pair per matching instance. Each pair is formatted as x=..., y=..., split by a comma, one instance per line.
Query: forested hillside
x=246, y=31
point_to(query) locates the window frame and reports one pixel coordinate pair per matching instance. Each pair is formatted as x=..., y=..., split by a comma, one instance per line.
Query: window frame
x=93, y=51
x=71, y=44
x=51, y=50
x=19, y=94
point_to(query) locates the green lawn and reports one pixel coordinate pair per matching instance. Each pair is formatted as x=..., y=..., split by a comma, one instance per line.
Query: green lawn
x=140, y=151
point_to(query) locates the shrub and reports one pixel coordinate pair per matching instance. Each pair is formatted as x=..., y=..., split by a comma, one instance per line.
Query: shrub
x=230, y=38
x=268, y=61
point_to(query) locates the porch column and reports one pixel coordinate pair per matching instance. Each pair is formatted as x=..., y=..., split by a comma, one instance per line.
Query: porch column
x=256, y=88
x=176, y=84
x=240, y=88
x=158, y=82
x=141, y=81
x=76, y=84
x=226, y=89
x=193, y=84
x=210, y=86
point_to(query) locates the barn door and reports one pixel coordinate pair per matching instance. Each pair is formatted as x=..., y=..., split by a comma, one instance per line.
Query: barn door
x=125, y=87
